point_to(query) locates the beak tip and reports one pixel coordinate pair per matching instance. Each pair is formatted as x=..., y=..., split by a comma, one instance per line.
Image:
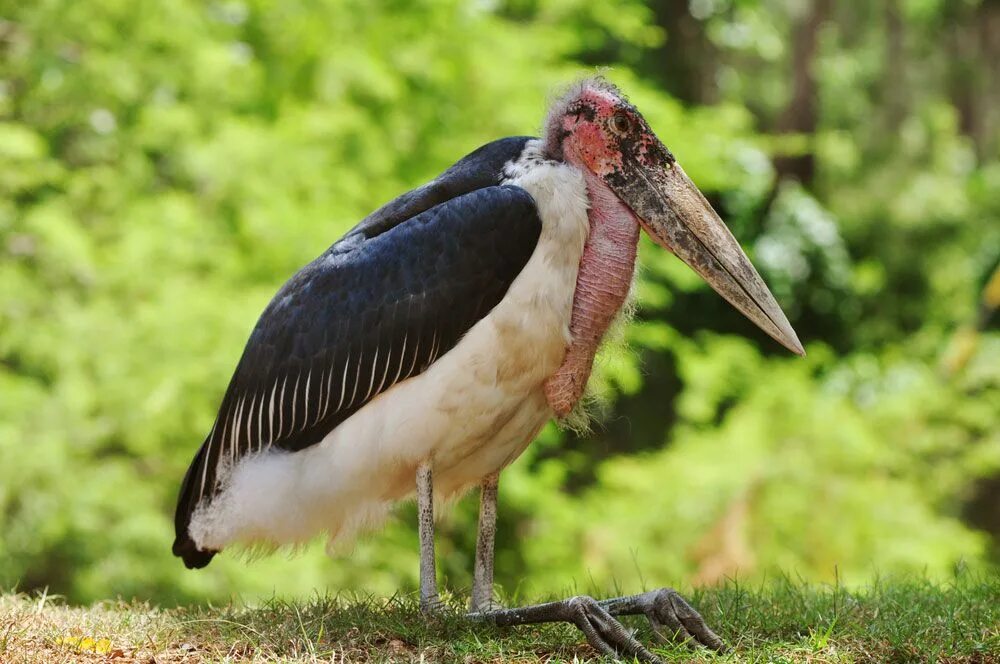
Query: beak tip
x=783, y=332
x=792, y=343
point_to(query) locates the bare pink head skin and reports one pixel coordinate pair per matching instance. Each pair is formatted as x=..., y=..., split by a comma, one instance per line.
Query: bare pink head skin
x=633, y=182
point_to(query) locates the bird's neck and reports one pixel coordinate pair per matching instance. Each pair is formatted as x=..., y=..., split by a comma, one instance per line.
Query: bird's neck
x=602, y=287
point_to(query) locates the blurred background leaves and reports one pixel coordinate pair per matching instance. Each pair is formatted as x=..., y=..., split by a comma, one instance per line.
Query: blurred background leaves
x=164, y=167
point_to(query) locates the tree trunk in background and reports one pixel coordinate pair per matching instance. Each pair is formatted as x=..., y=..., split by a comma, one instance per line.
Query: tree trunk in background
x=895, y=87
x=989, y=39
x=800, y=116
x=974, y=74
x=685, y=65
x=961, y=75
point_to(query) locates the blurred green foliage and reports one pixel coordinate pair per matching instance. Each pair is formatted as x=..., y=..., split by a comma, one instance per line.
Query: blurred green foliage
x=164, y=167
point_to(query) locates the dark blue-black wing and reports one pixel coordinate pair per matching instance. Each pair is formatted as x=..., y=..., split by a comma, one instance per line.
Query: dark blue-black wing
x=367, y=314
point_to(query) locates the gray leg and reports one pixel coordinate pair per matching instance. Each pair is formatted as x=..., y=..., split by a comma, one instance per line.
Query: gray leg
x=482, y=579
x=429, y=600
x=671, y=618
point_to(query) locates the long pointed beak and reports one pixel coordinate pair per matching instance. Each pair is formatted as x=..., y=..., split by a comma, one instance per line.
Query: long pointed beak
x=677, y=216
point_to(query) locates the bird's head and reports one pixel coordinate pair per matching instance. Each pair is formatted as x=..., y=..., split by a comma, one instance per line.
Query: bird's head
x=594, y=128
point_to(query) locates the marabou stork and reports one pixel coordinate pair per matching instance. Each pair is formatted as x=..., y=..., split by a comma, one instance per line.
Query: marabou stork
x=424, y=350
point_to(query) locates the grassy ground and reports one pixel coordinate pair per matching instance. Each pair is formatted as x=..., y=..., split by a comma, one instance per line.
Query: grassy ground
x=784, y=622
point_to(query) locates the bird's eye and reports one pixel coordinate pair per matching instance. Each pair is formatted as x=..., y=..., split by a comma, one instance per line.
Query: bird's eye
x=621, y=123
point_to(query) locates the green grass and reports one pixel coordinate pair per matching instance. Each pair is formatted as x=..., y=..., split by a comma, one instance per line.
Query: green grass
x=911, y=621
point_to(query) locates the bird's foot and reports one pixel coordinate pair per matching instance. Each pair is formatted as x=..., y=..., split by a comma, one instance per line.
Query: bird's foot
x=605, y=634
x=673, y=620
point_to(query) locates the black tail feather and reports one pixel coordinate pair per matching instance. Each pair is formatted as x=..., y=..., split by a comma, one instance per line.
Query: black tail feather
x=184, y=547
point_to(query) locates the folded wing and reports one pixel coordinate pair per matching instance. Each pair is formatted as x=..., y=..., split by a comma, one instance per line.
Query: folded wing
x=369, y=313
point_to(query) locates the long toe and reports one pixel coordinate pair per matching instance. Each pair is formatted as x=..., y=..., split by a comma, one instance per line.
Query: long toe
x=674, y=619
x=604, y=633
